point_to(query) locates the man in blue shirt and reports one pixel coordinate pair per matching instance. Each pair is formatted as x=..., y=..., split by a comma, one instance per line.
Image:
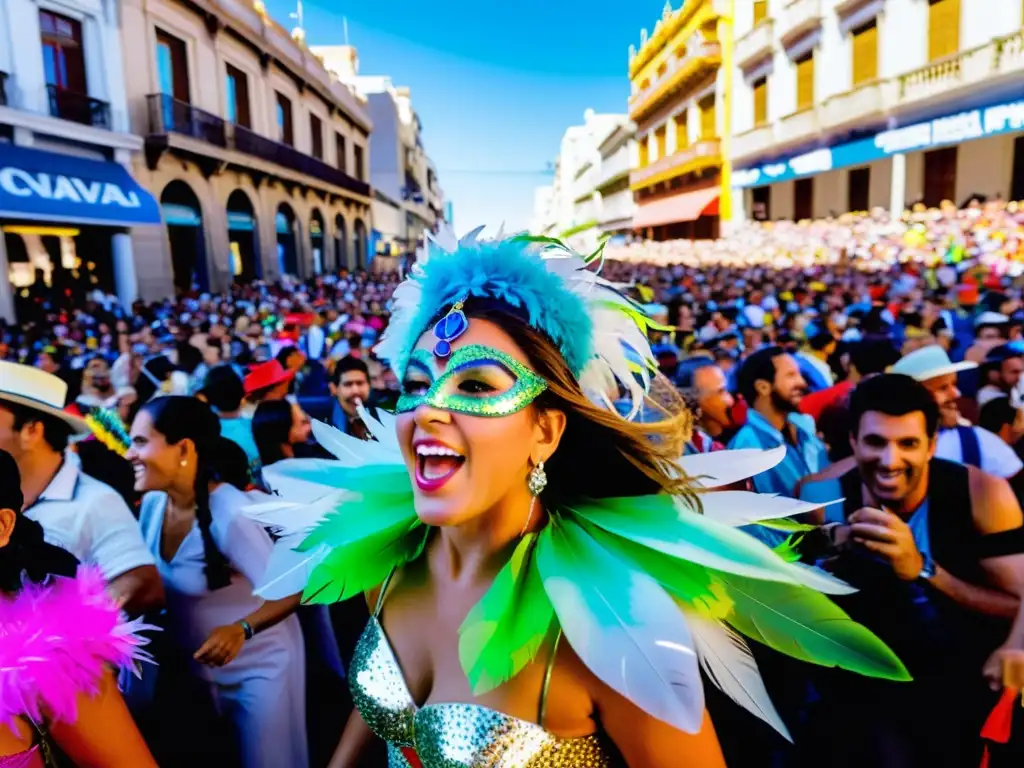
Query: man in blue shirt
x=771, y=383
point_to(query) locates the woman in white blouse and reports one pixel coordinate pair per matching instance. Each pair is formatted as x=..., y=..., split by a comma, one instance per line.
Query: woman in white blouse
x=209, y=555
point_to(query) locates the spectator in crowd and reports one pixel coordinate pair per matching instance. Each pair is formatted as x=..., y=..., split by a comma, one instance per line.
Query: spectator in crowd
x=278, y=426
x=919, y=537
x=267, y=381
x=77, y=512
x=771, y=384
x=1001, y=374
x=248, y=651
x=957, y=441
x=224, y=392
x=350, y=385
x=705, y=389
x=1000, y=417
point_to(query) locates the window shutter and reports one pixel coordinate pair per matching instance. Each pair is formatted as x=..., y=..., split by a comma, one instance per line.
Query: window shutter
x=865, y=53
x=943, y=28
x=805, y=81
x=761, y=101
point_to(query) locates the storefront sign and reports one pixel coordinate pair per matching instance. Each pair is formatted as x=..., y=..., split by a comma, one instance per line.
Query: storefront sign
x=951, y=129
x=48, y=186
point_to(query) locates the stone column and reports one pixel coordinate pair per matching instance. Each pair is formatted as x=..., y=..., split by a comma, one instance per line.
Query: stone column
x=6, y=289
x=124, y=269
x=898, y=186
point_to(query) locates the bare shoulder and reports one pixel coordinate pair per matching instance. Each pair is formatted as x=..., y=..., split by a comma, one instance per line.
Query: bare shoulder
x=994, y=505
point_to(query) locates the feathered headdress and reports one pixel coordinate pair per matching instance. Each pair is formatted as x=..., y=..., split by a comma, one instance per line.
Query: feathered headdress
x=108, y=428
x=601, y=333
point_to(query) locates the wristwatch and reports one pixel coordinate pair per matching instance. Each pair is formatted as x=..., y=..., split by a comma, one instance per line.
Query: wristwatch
x=928, y=568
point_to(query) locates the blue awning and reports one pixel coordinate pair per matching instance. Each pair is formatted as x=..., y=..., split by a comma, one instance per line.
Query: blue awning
x=47, y=186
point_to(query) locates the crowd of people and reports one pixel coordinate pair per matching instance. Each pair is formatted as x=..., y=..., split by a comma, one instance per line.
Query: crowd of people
x=885, y=356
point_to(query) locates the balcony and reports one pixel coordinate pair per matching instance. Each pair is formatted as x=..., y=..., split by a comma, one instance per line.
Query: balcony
x=616, y=208
x=613, y=167
x=798, y=126
x=3, y=89
x=78, y=107
x=705, y=153
x=701, y=58
x=753, y=142
x=169, y=116
x=251, y=143
x=797, y=18
x=755, y=46
x=865, y=103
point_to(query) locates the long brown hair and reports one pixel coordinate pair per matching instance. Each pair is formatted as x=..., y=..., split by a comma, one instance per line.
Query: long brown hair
x=601, y=454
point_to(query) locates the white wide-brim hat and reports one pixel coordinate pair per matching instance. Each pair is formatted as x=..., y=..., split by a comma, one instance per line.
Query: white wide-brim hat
x=929, y=363
x=40, y=391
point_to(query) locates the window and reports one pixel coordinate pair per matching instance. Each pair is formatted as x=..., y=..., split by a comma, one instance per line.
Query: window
x=339, y=148
x=803, y=199
x=805, y=81
x=316, y=132
x=284, y=121
x=238, y=97
x=761, y=203
x=659, y=140
x=939, y=176
x=865, y=53
x=63, y=60
x=760, y=10
x=761, y=101
x=643, y=146
x=708, y=128
x=943, y=28
x=357, y=157
x=1017, y=180
x=858, y=189
x=682, y=131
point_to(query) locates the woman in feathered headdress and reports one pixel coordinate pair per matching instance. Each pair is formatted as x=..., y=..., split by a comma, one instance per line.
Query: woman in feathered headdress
x=545, y=589
x=59, y=635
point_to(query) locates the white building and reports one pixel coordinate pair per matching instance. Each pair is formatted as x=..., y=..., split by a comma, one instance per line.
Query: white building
x=572, y=212
x=542, y=221
x=850, y=104
x=401, y=173
x=617, y=152
x=67, y=198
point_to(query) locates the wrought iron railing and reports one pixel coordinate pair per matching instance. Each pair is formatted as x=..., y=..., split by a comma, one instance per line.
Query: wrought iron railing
x=78, y=107
x=170, y=115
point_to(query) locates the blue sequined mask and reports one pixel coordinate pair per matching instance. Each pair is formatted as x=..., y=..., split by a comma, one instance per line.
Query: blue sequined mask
x=478, y=381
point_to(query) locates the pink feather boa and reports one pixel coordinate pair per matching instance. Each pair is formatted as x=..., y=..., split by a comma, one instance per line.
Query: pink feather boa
x=56, y=641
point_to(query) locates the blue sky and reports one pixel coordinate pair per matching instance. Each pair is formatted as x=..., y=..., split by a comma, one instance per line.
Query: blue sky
x=495, y=84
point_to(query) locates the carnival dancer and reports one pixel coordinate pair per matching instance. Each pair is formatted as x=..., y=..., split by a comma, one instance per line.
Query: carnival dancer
x=59, y=634
x=544, y=588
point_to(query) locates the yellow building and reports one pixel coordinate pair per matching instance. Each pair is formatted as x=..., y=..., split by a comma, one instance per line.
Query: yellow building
x=676, y=83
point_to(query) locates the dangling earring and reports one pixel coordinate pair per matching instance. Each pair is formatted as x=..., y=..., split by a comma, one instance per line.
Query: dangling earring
x=536, y=483
x=538, y=480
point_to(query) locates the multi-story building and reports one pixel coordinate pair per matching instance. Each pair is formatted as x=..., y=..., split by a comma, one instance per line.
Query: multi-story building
x=676, y=82
x=67, y=199
x=257, y=155
x=569, y=210
x=851, y=104
x=399, y=169
x=616, y=206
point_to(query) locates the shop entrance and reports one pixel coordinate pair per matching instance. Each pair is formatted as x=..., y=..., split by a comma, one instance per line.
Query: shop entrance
x=287, y=251
x=243, y=239
x=184, y=220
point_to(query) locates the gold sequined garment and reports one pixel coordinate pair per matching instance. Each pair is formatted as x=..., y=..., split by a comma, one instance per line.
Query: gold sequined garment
x=454, y=735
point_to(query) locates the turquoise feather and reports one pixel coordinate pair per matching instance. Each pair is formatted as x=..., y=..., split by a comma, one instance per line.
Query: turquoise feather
x=504, y=631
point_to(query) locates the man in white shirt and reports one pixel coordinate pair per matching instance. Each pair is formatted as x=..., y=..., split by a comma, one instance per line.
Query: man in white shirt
x=78, y=513
x=958, y=440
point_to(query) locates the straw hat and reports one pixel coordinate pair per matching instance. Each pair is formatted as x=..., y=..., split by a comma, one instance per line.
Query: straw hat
x=40, y=391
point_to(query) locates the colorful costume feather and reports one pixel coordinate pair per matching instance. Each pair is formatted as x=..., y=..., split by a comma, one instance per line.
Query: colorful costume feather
x=56, y=641
x=647, y=590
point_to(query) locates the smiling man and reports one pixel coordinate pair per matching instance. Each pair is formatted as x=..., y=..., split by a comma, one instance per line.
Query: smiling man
x=925, y=542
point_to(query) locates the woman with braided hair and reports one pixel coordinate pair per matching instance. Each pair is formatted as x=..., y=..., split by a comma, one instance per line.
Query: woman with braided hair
x=249, y=651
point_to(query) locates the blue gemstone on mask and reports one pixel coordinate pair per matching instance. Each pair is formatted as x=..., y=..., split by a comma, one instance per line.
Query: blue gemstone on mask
x=451, y=326
x=442, y=348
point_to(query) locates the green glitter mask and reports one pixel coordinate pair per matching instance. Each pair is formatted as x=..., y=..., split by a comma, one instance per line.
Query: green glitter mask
x=478, y=381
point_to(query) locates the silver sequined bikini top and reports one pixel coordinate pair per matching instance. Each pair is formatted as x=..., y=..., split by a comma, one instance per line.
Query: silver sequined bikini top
x=453, y=735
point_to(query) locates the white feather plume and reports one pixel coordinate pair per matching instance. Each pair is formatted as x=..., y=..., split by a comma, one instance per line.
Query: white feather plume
x=727, y=661
x=721, y=468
